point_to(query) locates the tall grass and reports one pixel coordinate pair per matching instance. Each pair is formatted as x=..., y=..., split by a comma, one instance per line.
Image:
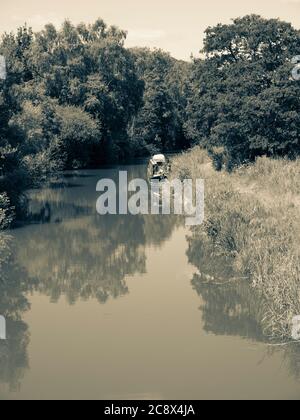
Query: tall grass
x=253, y=215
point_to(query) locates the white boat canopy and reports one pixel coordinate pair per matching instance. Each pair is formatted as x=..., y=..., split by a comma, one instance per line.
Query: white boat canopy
x=158, y=159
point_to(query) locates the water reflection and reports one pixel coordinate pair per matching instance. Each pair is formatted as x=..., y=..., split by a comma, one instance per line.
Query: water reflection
x=230, y=306
x=14, y=285
x=82, y=259
x=80, y=254
x=70, y=251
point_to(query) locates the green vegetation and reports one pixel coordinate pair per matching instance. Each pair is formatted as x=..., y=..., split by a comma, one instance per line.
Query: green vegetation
x=252, y=225
x=76, y=97
x=242, y=101
x=158, y=125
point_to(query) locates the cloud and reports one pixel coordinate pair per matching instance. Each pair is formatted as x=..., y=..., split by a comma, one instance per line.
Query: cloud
x=137, y=35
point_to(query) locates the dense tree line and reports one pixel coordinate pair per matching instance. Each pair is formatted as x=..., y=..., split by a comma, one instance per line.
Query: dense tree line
x=242, y=100
x=76, y=97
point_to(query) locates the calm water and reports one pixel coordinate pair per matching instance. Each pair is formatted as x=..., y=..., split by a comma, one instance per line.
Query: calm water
x=121, y=307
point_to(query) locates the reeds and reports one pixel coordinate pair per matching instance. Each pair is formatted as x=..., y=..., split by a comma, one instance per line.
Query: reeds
x=253, y=215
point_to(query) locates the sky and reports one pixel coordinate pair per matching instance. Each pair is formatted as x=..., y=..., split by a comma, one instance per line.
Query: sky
x=176, y=26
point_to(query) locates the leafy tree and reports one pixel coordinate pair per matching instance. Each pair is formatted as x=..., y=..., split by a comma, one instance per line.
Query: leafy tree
x=78, y=134
x=242, y=102
x=67, y=100
x=158, y=124
x=88, y=66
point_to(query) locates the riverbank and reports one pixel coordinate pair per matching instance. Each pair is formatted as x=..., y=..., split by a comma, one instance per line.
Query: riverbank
x=252, y=215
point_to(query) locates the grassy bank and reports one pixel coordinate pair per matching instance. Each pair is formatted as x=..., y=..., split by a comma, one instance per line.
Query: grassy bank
x=252, y=215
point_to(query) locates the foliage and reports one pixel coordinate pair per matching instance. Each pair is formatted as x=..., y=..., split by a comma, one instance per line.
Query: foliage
x=159, y=122
x=242, y=96
x=76, y=97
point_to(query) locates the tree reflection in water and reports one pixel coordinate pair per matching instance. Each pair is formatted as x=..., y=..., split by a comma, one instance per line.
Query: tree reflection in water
x=68, y=250
x=89, y=257
x=230, y=305
x=71, y=251
x=80, y=254
x=14, y=284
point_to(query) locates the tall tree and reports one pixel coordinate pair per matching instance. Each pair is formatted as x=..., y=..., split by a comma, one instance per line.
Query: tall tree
x=158, y=124
x=242, y=102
